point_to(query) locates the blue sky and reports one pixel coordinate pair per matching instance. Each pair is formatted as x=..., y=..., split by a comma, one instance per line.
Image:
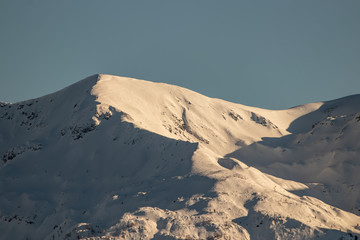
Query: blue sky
x=269, y=54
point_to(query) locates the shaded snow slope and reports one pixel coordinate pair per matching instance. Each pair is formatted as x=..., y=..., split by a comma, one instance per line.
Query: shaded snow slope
x=113, y=157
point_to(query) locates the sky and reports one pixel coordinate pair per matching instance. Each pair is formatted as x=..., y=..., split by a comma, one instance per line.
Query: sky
x=269, y=54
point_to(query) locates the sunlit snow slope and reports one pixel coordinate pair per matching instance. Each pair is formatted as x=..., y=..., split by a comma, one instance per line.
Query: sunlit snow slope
x=120, y=158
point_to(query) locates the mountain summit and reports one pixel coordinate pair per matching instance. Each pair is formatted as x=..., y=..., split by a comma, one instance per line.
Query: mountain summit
x=120, y=158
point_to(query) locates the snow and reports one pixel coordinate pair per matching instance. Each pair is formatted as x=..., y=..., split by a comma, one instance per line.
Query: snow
x=122, y=158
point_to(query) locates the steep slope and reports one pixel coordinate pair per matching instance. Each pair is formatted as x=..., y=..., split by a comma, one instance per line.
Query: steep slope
x=113, y=157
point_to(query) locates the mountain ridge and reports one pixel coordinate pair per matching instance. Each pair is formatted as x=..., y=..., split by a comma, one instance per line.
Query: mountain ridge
x=124, y=158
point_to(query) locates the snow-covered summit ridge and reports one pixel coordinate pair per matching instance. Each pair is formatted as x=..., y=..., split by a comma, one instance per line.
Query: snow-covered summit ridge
x=150, y=105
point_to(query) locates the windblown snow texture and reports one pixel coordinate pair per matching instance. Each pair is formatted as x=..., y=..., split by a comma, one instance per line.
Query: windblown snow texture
x=120, y=158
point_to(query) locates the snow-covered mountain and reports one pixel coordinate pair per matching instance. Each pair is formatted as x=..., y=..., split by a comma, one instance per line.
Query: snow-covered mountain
x=120, y=158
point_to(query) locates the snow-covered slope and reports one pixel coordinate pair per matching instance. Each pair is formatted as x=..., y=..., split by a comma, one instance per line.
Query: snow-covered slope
x=121, y=158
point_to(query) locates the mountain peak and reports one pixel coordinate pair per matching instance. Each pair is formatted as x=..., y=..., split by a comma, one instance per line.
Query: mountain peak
x=122, y=158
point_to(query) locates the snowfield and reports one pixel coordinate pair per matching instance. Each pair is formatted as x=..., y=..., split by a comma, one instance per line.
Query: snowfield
x=120, y=158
